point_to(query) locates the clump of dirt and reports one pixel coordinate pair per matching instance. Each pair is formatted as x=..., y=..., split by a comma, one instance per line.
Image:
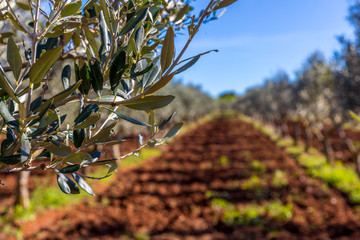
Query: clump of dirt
x=170, y=197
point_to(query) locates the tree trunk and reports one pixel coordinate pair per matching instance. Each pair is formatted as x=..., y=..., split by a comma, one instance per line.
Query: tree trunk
x=115, y=151
x=351, y=146
x=297, y=134
x=329, y=152
x=284, y=129
x=22, y=191
x=308, y=139
x=358, y=163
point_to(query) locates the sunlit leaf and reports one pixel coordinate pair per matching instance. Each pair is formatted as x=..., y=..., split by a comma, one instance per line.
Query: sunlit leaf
x=85, y=113
x=14, y=58
x=174, y=130
x=25, y=148
x=65, y=76
x=83, y=184
x=71, y=8
x=224, y=3
x=92, y=119
x=61, y=151
x=6, y=85
x=181, y=13
x=160, y=84
x=41, y=67
x=104, y=32
x=70, y=168
x=127, y=118
x=78, y=157
x=165, y=121
x=134, y=20
x=66, y=184
x=7, y=116
x=167, y=51
x=150, y=102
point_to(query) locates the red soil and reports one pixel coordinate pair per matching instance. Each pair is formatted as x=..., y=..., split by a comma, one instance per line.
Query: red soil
x=166, y=198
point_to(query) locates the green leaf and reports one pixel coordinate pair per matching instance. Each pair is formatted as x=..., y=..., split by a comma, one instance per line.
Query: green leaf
x=192, y=61
x=127, y=118
x=95, y=156
x=139, y=38
x=71, y=8
x=49, y=117
x=7, y=116
x=102, y=135
x=168, y=49
x=83, y=184
x=14, y=58
x=65, y=76
x=150, y=102
x=97, y=76
x=106, y=15
x=25, y=148
x=10, y=16
x=42, y=66
x=92, y=41
x=92, y=119
x=104, y=32
x=61, y=151
x=11, y=160
x=142, y=72
x=23, y=6
x=153, y=74
x=174, y=130
x=6, y=85
x=85, y=113
x=42, y=113
x=102, y=162
x=61, y=96
x=164, y=122
x=66, y=184
x=117, y=69
x=108, y=98
x=354, y=116
x=78, y=137
x=134, y=20
x=181, y=13
x=188, y=65
x=85, y=76
x=70, y=168
x=224, y=3
x=66, y=93
x=78, y=157
x=160, y=84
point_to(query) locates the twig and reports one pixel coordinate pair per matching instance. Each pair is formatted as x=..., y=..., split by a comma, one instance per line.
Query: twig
x=202, y=18
x=95, y=178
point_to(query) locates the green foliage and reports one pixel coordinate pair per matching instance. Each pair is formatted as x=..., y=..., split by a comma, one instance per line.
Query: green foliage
x=224, y=161
x=280, y=179
x=252, y=183
x=257, y=166
x=252, y=214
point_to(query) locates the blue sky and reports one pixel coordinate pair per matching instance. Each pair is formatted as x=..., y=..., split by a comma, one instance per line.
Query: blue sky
x=258, y=37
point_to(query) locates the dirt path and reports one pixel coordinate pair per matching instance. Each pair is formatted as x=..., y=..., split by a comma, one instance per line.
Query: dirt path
x=168, y=198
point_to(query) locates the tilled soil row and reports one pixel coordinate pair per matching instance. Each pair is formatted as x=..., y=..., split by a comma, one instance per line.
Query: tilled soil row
x=167, y=198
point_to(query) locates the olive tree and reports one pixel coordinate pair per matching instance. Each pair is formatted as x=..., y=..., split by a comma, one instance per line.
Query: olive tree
x=122, y=53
